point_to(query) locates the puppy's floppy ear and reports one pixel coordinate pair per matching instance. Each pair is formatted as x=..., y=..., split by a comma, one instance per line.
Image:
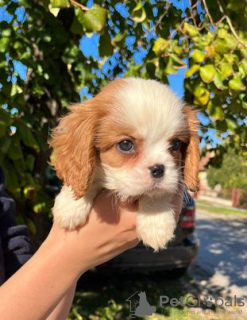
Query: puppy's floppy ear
x=74, y=152
x=191, y=153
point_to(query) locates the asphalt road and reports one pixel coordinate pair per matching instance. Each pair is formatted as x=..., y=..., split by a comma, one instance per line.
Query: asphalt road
x=222, y=256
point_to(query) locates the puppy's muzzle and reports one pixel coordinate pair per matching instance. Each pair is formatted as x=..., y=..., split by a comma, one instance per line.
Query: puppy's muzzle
x=157, y=171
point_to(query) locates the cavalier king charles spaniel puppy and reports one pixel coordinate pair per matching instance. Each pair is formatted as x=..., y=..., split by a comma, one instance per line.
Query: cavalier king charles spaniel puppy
x=136, y=139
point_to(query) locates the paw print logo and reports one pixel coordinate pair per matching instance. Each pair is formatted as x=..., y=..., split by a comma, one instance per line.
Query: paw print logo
x=207, y=301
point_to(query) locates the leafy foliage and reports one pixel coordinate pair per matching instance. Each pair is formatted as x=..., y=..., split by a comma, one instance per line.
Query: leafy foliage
x=208, y=38
x=232, y=173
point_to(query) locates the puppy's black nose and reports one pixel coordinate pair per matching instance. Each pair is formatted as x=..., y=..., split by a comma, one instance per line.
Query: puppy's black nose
x=157, y=171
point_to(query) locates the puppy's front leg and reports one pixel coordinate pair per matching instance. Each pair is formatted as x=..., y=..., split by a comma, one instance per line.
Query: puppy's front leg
x=69, y=212
x=155, y=222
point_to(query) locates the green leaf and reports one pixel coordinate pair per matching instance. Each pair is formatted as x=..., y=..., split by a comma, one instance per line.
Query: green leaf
x=119, y=38
x=192, y=70
x=15, y=89
x=5, y=143
x=105, y=46
x=54, y=11
x=138, y=14
x=94, y=19
x=6, y=32
x=178, y=61
x=82, y=72
x=30, y=162
x=215, y=111
x=210, y=51
x=4, y=42
x=5, y=117
x=170, y=69
x=201, y=95
x=234, y=5
x=198, y=56
x=160, y=46
x=226, y=70
x=12, y=182
x=218, y=81
x=231, y=124
x=70, y=54
x=207, y=73
x=222, y=33
x=28, y=137
x=60, y=3
x=244, y=104
x=221, y=125
x=76, y=26
x=223, y=46
x=236, y=84
x=39, y=207
x=150, y=67
x=243, y=65
x=191, y=30
x=29, y=192
x=231, y=58
x=178, y=50
x=243, y=98
x=3, y=128
x=14, y=151
x=12, y=6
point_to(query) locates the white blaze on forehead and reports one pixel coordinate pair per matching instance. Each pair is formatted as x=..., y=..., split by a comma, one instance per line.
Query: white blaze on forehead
x=151, y=108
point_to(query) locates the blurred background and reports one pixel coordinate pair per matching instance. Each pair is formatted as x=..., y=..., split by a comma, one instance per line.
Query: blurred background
x=57, y=52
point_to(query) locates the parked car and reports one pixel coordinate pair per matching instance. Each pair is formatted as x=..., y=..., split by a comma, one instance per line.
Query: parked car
x=178, y=256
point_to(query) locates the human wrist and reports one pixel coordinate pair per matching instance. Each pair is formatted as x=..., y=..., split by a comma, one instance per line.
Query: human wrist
x=63, y=244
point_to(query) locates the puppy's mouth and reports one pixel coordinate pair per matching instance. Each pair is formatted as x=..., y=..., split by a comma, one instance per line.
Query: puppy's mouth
x=157, y=187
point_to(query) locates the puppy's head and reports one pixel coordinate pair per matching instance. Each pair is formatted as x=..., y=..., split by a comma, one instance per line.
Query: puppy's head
x=141, y=137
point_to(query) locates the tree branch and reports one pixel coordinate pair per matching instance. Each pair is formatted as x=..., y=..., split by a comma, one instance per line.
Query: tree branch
x=208, y=13
x=230, y=24
x=160, y=19
x=191, y=11
x=79, y=5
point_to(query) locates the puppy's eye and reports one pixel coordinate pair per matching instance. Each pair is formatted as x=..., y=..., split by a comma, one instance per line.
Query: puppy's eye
x=175, y=145
x=126, y=146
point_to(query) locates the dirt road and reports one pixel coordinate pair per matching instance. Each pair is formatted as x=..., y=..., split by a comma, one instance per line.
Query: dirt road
x=222, y=258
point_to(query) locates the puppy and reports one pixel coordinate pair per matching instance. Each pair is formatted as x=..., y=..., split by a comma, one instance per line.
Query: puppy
x=135, y=138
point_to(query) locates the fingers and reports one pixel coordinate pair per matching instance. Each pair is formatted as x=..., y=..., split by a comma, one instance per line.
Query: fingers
x=109, y=207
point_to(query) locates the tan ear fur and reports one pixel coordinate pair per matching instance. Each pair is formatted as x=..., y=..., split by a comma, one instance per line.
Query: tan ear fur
x=192, y=151
x=74, y=152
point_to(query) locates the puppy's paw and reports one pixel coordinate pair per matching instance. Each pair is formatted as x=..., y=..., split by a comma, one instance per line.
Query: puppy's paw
x=68, y=212
x=155, y=223
x=156, y=230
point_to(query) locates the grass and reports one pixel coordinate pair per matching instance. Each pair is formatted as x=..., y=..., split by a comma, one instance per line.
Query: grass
x=206, y=206
x=104, y=298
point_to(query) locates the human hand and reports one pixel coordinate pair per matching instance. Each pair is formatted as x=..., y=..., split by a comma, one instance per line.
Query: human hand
x=109, y=230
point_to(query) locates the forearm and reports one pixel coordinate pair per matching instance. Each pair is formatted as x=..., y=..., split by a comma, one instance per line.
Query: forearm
x=34, y=291
x=61, y=311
